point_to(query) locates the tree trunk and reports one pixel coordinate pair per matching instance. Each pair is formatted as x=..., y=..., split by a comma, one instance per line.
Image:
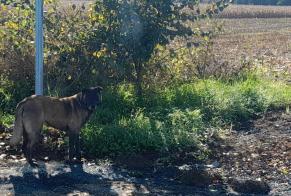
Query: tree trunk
x=138, y=81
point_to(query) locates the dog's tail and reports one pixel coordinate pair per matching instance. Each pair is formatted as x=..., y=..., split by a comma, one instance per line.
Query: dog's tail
x=18, y=126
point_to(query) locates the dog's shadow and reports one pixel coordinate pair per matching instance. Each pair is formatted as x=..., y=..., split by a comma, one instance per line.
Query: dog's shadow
x=63, y=180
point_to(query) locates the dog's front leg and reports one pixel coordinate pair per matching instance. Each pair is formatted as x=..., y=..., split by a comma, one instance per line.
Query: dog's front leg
x=78, y=150
x=72, y=141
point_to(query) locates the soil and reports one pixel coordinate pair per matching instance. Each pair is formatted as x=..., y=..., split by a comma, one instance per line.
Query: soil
x=256, y=161
x=262, y=153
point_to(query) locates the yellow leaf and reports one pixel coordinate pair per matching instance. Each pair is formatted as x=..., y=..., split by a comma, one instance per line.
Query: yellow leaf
x=100, y=53
x=284, y=170
x=97, y=54
x=46, y=2
x=159, y=47
x=62, y=29
x=101, y=17
x=11, y=25
x=3, y=7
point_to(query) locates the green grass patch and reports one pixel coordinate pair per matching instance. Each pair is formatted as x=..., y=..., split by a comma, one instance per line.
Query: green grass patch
x=6, y=119
x=178, y=116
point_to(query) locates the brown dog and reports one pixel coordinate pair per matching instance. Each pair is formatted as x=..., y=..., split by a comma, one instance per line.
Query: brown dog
x=67, y=114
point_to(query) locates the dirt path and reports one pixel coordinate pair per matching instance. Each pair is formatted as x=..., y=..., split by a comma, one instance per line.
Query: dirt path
x=263, y=152
x=257, y=160
x=55, y=178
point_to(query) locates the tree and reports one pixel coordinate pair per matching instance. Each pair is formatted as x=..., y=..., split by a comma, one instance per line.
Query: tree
x=131, y=29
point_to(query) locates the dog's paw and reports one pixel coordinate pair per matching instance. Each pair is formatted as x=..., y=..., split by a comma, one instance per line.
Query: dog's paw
x=73, y=161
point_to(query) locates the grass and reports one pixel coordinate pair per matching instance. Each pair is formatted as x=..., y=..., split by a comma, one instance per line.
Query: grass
x=179, y=117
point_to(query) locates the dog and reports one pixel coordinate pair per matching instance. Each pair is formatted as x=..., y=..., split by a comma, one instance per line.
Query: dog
x=68, y=114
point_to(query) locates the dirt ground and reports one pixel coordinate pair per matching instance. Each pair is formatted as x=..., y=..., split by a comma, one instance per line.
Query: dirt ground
x=262, y=152
x=256, y=161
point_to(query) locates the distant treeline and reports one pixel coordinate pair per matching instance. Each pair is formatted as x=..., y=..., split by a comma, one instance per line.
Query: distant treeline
x=264, y=2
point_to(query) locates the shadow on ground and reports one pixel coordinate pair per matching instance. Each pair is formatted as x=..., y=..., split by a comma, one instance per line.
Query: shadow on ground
x=64, y=180
x=147, y=173
x=59, y=179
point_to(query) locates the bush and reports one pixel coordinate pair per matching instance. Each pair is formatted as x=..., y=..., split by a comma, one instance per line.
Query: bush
x=11, y=93
x=6, y=119
x=66, y=57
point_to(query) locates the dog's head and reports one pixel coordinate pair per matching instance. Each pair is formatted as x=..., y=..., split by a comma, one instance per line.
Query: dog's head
x=91, y=97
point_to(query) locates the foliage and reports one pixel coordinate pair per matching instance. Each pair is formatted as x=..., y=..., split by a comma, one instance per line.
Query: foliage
x=6, y=120
x=16, y=38
x=180, y=63
x=66, y=32
x=67, y=54
x=112, y=41
x=11, y=93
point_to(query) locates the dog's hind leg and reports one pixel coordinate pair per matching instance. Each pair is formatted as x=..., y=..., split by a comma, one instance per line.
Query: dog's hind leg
x=29, y=143
x=32, y=135
x=24, y=144
x=29, y=153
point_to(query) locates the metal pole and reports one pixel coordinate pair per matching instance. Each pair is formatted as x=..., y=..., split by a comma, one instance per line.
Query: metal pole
x=38, y=47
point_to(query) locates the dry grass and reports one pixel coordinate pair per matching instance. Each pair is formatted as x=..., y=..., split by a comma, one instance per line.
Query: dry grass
x=263, y=42
x=260, y=35
x=254, y=11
